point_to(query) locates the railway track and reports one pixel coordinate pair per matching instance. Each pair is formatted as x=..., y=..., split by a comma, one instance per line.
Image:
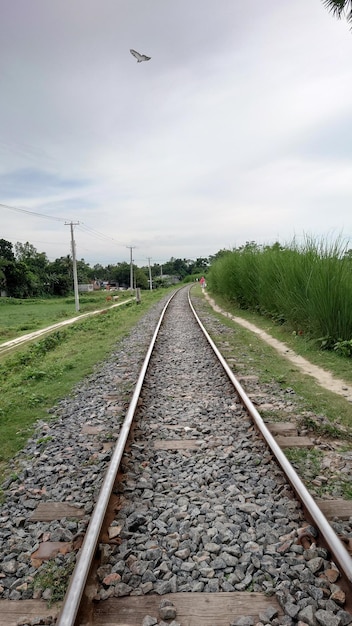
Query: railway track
x=196, y=522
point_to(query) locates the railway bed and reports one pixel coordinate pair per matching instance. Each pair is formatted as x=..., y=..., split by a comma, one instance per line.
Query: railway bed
x=202, y=526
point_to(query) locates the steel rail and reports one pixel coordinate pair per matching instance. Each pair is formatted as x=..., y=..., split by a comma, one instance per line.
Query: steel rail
x=78, y=580
x=339, y=553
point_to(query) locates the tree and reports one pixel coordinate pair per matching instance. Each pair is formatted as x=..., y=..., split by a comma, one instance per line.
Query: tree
x=60, y=276
x=20, y=281
x=13, y=274
x=199, y=266
x=121, y=274
x=250, y=246
x=218, y=255
x=141, y=278
x=176, y=267
x=36, y=266
x=83, y=272
x=98, y=272
x=59, y=284
x=339, y=8
x=6, y=252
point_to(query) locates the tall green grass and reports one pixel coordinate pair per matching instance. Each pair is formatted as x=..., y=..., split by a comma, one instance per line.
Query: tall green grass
x=308, y=287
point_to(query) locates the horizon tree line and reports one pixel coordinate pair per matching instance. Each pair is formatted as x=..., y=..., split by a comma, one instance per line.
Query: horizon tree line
x=27, y=273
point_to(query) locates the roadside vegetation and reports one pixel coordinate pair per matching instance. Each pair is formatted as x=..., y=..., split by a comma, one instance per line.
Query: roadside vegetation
x=331, y=360
x=21, y=316
x=305, y=289
x=35, y=376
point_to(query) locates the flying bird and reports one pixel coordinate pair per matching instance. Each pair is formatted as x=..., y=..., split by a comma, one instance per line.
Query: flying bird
x=140, y=57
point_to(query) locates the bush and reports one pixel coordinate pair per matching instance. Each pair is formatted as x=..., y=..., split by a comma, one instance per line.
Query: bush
x=344, y=348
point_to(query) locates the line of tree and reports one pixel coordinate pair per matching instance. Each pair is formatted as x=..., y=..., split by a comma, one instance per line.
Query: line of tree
x=27, y=273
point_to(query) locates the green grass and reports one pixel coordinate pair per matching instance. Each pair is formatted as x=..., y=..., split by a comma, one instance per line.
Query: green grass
x=339, y=365
x=307, y=460
x=33, y=378
x=19, y=317
x=308, y=287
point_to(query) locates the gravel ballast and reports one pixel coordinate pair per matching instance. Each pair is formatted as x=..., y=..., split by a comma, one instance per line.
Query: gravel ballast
x=215, y=515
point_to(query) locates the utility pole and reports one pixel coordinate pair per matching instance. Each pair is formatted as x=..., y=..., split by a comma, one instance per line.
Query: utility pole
x=150, y=275
x=131, y=267
x=74, y=263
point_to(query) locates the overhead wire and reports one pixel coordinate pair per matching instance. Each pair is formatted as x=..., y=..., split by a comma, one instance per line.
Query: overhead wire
x=48, y=217
x=96, y=233
x=80, y=225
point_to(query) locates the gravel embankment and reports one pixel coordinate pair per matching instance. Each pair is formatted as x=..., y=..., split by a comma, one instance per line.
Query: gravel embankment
x=218, y=517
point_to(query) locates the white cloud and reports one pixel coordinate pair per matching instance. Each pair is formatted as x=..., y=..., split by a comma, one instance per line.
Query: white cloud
x=238, y=128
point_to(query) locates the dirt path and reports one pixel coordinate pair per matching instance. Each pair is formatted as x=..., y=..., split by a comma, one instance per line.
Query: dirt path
x=321, y=376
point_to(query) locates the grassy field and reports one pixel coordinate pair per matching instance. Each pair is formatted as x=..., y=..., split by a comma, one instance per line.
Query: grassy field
x=34, y=377
x=19, y=317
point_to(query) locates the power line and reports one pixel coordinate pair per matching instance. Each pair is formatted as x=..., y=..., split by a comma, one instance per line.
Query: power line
x=47, y=217
x=96, y=233
x=49, y=243
x=80, y=225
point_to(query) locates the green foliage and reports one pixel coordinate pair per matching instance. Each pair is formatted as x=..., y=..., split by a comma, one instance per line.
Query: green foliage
x=344, y=348
x=49, y=343
x=6, y=251
x=191, y=278
x=346, y=490
x=185, y=267
x=308, y=288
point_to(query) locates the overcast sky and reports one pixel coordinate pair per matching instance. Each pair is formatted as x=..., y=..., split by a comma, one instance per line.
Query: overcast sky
x=238, y=129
